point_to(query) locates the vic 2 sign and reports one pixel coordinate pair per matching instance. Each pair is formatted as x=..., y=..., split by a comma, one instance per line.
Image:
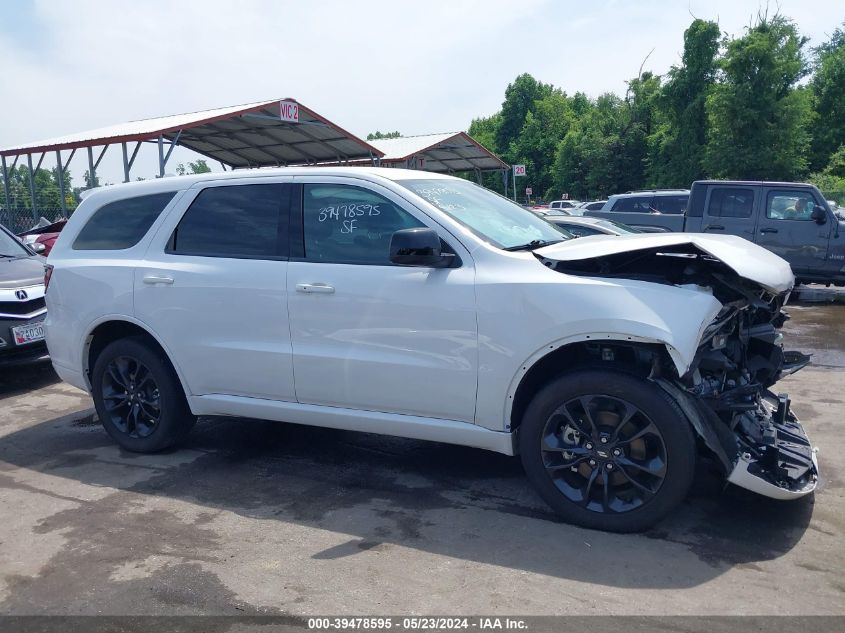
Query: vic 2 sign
x=289, y=111
x=518, y=170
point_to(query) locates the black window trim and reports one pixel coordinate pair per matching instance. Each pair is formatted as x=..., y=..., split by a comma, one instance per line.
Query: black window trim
x=297, y=224
x=285, y=211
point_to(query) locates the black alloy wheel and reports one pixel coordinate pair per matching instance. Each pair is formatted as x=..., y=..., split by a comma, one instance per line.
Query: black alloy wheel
x=607, y=449
x=138, y=396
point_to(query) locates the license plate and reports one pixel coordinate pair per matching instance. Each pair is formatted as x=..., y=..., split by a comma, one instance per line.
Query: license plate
x=28, y=333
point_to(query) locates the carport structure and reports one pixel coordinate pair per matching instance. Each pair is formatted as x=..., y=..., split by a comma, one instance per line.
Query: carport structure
x=446, y=153
x=280, y=132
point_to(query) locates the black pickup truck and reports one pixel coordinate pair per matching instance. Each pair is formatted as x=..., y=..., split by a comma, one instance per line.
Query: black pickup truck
x=790, y=219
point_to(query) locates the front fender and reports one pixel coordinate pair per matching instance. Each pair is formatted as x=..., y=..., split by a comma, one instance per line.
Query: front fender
x=577, y=309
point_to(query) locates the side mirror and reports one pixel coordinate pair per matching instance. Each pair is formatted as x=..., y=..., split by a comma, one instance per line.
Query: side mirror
x=418, y=247
x=818, y=215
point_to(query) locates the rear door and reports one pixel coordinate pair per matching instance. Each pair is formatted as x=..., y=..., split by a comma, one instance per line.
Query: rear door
x=729, y=210
x=212, y=287
x=786, y=228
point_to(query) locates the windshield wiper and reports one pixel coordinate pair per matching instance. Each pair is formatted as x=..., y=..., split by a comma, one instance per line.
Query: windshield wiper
x=530, y=246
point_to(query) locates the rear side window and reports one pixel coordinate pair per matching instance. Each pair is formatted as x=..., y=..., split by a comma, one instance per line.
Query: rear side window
x=633, y=204
x=121, y=224
x=731, y=203
x=238, y=221
x=674, y=205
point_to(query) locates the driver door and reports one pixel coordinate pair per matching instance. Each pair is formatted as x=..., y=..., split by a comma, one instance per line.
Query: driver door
x=368, y=334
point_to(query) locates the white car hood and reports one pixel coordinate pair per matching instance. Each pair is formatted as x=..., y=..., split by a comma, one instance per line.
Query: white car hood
x=745, y=258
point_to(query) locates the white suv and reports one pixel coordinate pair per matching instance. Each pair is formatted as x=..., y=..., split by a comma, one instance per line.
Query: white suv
x=424, y=306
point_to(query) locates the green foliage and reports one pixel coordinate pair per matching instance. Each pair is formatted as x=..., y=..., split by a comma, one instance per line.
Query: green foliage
x=47, y=192
x=828, y=87
x=758, y=119
x=677, y=144
x=374, y=136
x=832, y=177
x=520, y=99
x=198, y=166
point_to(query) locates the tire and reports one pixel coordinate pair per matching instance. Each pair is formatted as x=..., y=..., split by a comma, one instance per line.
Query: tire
x=646, y=465
x=131, y=383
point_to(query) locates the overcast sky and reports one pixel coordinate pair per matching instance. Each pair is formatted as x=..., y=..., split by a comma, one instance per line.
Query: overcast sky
x=413, y=66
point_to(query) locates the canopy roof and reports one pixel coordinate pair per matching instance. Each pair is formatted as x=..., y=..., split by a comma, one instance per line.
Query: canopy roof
x=452, y=151
x=249, y=135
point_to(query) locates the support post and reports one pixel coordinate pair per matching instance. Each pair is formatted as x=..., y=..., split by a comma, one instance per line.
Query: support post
x=61, y=174
x=125, y=162
x=6, y=189
x=92, y=171
x=161, y=156
x=32, y=188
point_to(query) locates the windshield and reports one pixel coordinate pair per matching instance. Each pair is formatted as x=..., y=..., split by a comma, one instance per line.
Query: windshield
x=11, y=247
x=492, y=217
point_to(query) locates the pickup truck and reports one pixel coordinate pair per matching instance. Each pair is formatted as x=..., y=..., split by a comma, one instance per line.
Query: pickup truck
x=790, y=219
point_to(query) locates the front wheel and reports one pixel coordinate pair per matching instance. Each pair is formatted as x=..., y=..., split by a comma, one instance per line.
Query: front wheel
x=138, y=397
x=607, y=450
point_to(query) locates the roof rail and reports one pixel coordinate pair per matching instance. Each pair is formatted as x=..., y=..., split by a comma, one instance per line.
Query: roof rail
x=655, y=190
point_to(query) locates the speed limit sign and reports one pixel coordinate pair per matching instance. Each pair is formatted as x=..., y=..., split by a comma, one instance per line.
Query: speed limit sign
x=518, y=170
x=528, y=191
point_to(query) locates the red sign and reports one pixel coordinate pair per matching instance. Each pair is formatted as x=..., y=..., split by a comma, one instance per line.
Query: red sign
x=518, y=170
x=528, y=191
x=289, y=111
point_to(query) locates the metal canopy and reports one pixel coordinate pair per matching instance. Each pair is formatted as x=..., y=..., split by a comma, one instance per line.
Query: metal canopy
x=249, y=135
x=453, y=151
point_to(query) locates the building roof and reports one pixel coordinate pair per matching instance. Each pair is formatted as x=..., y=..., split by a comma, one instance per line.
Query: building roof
x=248, y=135
x=452, y=151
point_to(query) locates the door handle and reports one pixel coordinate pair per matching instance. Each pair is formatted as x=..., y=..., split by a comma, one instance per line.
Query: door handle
x=715, y=227
x=318, y=288
x=768, y=230
x=152, y=280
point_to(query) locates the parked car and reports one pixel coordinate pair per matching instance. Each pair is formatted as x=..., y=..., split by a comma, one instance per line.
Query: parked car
x=790, y=219
x=546, y=213
x=22, y=306
x=595, y=205
x=425, y=306
x=563, y=204
x=43, y=235
x=583, y=226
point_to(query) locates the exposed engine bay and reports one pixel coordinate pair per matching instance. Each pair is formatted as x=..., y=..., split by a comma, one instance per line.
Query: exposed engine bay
x=727, y=391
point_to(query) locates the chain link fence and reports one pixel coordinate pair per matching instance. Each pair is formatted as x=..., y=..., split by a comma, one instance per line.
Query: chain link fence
x=18, y=219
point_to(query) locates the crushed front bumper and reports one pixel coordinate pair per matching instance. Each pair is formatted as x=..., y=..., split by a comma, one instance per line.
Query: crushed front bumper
x=781, y=463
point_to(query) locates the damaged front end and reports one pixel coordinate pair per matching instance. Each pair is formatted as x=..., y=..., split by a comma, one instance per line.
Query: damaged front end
x=726, y=392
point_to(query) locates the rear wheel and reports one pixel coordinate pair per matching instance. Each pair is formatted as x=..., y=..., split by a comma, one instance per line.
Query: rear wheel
x=607, y=450
x=138, y=397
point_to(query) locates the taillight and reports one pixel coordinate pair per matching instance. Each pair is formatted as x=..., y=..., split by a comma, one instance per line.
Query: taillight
x=48, y=272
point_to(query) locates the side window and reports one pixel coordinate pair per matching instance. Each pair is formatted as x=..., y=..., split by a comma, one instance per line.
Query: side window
x=346, y=224
x=731, y=202
x=790, y=205
x=633, y=204
x=674, y=205
x=582, y=231
x=121, y=224
x=239, y=221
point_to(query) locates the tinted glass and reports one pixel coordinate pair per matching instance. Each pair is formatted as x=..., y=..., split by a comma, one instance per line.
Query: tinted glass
x=121, y=224
x=670, y=204
x=790, y=205
x=731, y=203
x=633, y=204
x=244, y=221
x=491, y=217
x=594, y=206
x=346, y=224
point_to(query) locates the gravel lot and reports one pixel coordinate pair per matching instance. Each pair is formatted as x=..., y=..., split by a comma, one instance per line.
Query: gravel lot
x=265, y=518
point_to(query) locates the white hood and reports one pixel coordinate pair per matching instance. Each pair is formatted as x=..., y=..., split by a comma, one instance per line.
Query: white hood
x=745, y=258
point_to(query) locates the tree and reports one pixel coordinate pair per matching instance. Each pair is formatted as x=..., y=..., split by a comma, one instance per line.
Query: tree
x=677, y=144
x=375, y=136
x=828, y=86
x=198, y=166
x=757, y=116
x=520, y=97
x=89, y=183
